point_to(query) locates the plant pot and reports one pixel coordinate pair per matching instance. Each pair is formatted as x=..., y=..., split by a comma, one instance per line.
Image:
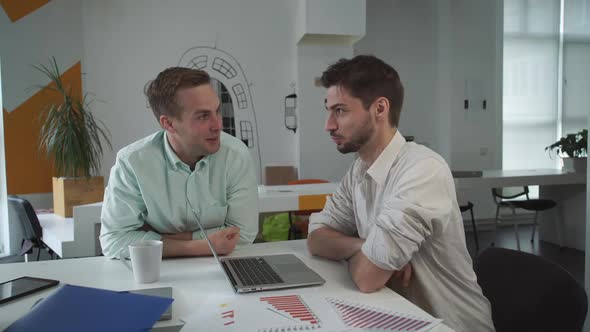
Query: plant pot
x=70, y=192
x=577, y=164
x=580, y=164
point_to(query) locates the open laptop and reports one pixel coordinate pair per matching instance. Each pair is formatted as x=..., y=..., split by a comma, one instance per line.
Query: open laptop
x=268, y=272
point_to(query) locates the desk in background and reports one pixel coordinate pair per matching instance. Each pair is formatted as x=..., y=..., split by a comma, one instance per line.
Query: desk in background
x=294, y=197
x=564, y=226
x=76, y=236
x=193, y=280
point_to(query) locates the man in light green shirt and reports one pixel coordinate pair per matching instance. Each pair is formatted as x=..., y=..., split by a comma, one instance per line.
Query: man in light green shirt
x=191, y=169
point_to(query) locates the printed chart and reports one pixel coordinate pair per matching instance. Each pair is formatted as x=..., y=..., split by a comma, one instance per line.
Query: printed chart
x=293, y=308
x=292, y=312
x=376, y=319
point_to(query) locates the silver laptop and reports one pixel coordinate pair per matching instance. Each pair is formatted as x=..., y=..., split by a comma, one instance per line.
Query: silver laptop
x=268, y=272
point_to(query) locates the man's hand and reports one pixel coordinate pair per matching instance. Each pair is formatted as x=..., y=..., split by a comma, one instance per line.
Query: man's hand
x=405, y=274
x=225, y=240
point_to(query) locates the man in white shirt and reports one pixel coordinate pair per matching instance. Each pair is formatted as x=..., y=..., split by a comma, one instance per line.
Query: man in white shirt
x=396, y=205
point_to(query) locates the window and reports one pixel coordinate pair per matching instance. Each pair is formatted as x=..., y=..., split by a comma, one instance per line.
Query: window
x=546, y=77
x=227, y=108
x=530, y=82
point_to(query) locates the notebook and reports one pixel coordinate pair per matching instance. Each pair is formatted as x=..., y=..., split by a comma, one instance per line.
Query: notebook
x=76, y=308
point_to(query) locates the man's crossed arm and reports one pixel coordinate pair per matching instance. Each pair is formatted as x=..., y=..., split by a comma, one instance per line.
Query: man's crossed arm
x=329, y=243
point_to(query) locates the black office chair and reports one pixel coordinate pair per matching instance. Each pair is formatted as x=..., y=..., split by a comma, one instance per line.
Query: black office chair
x=505, y=198
x=469, y=207
x=31, y=227
x=530, y=293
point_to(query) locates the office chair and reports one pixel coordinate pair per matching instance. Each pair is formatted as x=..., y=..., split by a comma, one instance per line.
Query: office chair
x=301, y=226
x=530, y=293
x=31, y=227
x=469, y=207
x=505, y=198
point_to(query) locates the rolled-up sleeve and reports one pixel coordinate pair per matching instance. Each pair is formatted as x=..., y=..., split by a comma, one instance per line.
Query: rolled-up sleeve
x=122, y=210
x=338, y=213
x=420, y=205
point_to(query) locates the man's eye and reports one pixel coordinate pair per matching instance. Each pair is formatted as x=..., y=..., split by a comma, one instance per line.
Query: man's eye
x=204, y=117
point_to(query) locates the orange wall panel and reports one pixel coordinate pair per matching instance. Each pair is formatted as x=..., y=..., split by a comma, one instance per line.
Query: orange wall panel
x=27, y=169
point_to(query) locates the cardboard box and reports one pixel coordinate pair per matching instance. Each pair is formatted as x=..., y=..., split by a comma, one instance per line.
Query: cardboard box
x=279, y=175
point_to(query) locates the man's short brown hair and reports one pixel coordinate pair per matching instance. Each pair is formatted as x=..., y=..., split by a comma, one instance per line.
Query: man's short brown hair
x=367, y=78
x=161, y=92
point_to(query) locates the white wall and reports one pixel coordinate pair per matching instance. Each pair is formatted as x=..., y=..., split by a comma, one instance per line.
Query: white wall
x=126, y=43
x=320, y=43
x=452, y=41
x=318, y=156
x=409, y=45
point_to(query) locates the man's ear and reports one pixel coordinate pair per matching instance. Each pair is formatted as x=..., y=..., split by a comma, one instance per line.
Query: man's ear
x=167, y=123
x=382, y=106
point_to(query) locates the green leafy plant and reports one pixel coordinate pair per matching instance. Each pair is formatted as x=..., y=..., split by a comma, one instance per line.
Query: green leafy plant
x=572, y=145
x=70, y=135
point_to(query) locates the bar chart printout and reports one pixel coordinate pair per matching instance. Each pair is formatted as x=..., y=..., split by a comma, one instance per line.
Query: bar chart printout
x=375, y=319
x=293, y=308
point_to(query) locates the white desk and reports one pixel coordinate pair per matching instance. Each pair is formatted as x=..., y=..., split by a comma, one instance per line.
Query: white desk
x=287, y=198
x=565, y=225
x=193, y=280
x=72, y=237
x=528, y=177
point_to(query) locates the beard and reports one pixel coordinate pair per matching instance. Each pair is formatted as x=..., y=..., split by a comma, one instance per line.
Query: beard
x=358, y=139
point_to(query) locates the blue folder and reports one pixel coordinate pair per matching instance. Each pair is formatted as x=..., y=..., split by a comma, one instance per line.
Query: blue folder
x=75, y=308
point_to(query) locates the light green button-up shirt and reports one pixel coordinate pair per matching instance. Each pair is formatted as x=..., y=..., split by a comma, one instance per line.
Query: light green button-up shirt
x=149, y=184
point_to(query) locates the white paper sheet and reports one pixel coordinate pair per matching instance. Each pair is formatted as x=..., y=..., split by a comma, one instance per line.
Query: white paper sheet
x=288, y=313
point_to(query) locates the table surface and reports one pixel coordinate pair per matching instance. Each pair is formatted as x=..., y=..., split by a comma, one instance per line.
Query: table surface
x=193, y=280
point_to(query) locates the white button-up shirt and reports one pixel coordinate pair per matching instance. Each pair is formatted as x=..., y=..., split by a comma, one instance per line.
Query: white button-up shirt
x=404, y=205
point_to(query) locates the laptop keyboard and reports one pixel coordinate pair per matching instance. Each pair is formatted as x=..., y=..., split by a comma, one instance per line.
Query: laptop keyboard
x=254, y=271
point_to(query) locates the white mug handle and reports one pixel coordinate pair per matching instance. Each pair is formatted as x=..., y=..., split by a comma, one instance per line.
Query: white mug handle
x=124, y=261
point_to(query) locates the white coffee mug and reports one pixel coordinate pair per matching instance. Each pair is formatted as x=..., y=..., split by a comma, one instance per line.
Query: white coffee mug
x=146, y=257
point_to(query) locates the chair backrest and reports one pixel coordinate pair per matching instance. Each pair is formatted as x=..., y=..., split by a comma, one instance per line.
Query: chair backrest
x=27, y=217
x=530, y=293
x=509, y=193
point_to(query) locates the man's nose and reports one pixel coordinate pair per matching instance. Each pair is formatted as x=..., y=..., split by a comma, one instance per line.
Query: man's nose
x=217, y=122
x=330, y=123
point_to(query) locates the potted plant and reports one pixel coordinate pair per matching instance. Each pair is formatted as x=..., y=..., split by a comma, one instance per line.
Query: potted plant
x=71, y=138
x=572, y=149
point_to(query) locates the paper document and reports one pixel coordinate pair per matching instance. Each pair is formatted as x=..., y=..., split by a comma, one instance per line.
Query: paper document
x=299, y=313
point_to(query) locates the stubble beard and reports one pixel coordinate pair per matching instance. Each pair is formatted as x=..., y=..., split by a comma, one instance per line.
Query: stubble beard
x=358, y=140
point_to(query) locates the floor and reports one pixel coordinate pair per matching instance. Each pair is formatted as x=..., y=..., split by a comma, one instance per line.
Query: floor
x=570, y=259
